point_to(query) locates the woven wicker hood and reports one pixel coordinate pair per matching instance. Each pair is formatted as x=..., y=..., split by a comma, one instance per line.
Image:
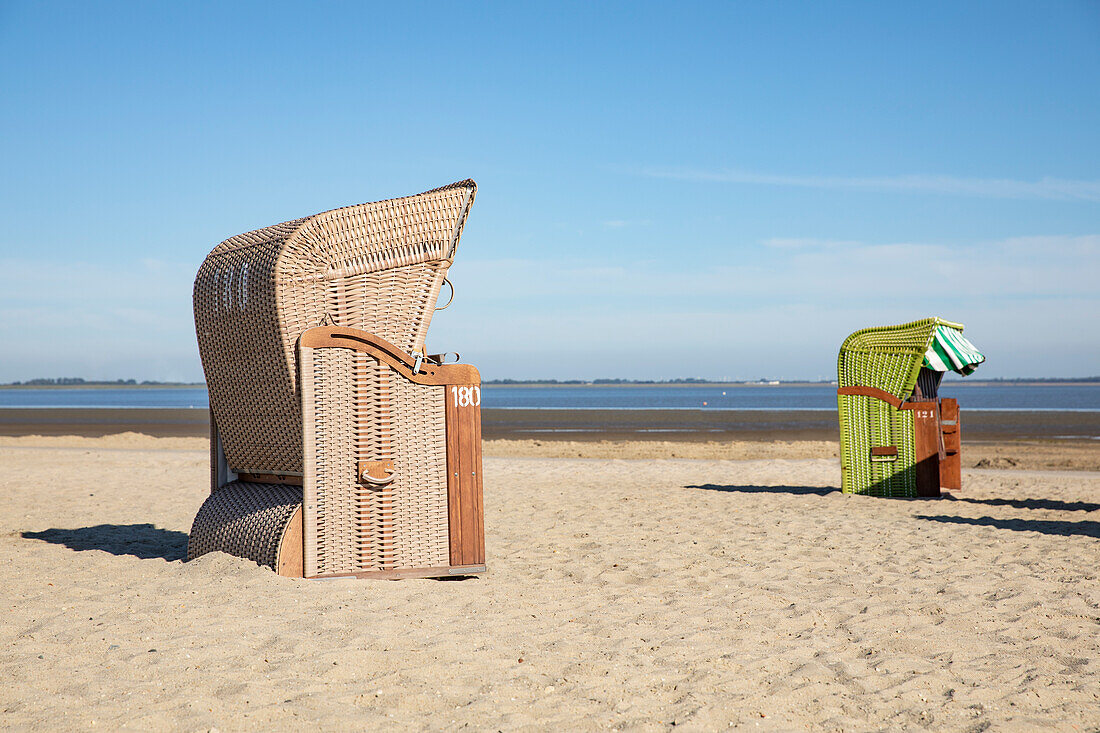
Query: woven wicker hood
x=376, y=266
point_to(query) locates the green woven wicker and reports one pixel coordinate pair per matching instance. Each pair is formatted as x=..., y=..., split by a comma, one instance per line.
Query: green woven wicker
x=887, y=358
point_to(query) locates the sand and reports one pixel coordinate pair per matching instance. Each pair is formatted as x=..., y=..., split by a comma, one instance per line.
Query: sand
x=1039, y=455
x=632, y=594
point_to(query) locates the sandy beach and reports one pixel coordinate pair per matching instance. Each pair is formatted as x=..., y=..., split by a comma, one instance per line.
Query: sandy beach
x=639, y=593
x=582, y=298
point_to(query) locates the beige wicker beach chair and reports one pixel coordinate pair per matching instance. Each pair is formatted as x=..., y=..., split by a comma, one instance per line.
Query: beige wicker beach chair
x=338, y=447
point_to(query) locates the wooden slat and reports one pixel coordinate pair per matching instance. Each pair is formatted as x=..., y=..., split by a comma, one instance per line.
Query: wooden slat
x=401, y=361
x=875, y=392
x=464, y=483
x=951, y=465
x=926, y=446
x=451, y=571
x=271, y=478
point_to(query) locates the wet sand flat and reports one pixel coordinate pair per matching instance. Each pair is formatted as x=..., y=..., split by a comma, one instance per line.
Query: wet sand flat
x=157, y=422
x=632, y=594
x=580, y=425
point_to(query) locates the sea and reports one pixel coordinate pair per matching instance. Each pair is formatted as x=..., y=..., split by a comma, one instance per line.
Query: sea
x=977, y=396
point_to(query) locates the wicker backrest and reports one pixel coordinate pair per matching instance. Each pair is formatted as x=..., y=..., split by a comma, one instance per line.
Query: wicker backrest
x=887, y=357
x=376, y=266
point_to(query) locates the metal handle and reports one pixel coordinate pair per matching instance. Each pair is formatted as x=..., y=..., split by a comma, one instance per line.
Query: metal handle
x=450, y=299
x=377, y=473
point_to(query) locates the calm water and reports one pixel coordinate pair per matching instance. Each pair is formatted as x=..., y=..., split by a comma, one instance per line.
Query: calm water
x=1079, y=398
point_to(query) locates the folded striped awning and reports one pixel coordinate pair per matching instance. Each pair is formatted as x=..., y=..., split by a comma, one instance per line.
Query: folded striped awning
x=950, y=351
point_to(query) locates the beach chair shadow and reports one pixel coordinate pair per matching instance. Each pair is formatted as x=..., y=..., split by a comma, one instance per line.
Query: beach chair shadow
x=1054, y=504
x=796, y=490
x=818, y=490
x=143, y=541
x=1051, y=527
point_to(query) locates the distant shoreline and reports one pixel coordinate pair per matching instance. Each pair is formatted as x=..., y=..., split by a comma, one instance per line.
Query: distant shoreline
x=589, y=385
x=108, y=385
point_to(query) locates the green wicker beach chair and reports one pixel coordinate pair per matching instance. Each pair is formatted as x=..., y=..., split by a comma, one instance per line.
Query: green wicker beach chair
x=338, y=446
x=897, y=437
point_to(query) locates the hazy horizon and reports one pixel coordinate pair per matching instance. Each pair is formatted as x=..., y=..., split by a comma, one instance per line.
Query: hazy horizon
x=710, y=189
x=612, y=381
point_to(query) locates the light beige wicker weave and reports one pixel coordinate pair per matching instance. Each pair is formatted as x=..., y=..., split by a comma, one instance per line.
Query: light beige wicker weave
x=383, y=441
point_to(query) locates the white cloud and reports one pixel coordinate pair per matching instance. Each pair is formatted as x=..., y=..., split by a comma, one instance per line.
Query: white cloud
x=793, y=300
x=799, y=269
x=129, y=319
x=805, y=243
x=1003, y=188
x=777, y=307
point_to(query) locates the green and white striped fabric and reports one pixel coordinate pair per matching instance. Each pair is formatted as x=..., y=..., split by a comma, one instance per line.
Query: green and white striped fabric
x=950, y=351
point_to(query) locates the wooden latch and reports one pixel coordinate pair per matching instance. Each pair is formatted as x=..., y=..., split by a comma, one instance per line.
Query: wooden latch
x=884, y=453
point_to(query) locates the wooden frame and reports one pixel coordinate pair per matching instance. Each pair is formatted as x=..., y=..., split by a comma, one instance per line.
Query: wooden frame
x=289, y=559
x=464, y=488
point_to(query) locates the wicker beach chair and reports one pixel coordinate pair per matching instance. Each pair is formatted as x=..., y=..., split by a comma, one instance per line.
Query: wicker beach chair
x=897, y=436
x=338, y=447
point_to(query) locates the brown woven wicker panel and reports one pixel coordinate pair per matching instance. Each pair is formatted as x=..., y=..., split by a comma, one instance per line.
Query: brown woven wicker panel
x=240, y=342
x=358, y=409
x=243, y=519
x=376, y=266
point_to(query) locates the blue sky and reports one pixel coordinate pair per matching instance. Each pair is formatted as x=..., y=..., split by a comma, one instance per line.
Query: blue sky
x=689, y=189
